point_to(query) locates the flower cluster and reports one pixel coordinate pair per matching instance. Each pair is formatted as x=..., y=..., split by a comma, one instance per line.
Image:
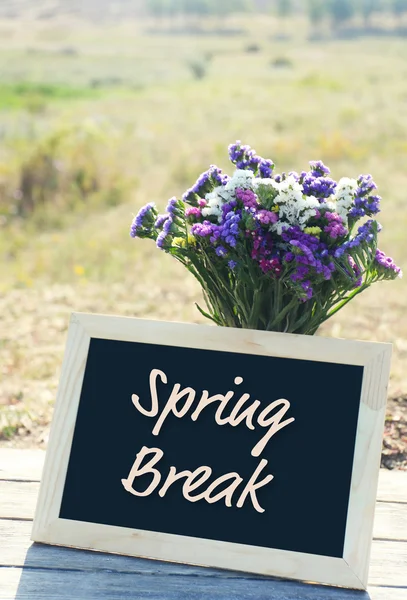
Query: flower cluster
x=273, y=251
x=244, y=157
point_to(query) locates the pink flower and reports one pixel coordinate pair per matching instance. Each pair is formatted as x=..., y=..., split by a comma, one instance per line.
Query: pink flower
x=266, y=217
x=248, y=197
x=194, y=212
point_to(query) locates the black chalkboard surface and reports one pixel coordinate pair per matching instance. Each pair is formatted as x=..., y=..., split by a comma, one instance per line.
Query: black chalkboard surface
x=222, y=447
x=305, y=505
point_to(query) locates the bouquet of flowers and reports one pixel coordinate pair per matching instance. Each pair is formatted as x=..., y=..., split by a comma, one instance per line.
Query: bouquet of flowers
x=273, y=252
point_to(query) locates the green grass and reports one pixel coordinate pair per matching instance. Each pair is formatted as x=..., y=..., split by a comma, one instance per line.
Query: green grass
x=97, y=151
x=35, y=96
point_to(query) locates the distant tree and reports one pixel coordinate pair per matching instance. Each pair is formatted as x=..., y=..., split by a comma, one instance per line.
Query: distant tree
x=367, y=8
x=159, y=8
x=399, y=7
x=198, y=7
x=224, y=8
x=262, y=6
x=316, y=11
x=341, y=11
x=284, y=8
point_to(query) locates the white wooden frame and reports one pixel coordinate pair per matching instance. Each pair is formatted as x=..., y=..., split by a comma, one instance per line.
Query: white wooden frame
x=350, y=571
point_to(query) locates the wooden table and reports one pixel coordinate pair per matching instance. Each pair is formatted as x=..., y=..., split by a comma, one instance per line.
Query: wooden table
x=39, y=572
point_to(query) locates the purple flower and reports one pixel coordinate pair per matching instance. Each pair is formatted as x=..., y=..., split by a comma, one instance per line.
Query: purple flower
x=221, y=251
x=216, y=233
x=161, y=239
x=364, y=235
x=308, y=252
x=167, y=229
x=248, y=197
x=171, y=206
x=335, y=227
x=318, y=169
x=244, y=157
x=320, y=187
x=365, y=203
x=264, y=252
x=202, y=229
x=266, y=217
x=144, y=214
x=133, y=229
x=205, y=183
x=308, y=256
x=266, y=167
x=387, y=263
x=357, y=273
x=366, y=185
x=232, y=264
x=160, y=221
x=295, y=175
x=262, y=243
x=301, y=272
x=167, y=225
x=306, y=286
x=228, y=206
x=229, y=229
x=327, y=271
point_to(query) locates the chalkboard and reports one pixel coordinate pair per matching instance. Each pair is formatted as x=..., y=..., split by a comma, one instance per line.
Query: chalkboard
x=219, y=446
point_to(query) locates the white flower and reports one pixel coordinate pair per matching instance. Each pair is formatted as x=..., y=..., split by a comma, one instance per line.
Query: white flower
x=290, y=191
x=329, y=206
x=307, y=208
x=346, y=183
x=268, y=182
x=345, y=195
x=290, y=183
x=240, y=179
x=215, y=200
x=279, y=227
x=294, y=207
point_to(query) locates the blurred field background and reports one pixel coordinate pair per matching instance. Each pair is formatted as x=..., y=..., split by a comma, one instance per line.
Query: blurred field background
x=105, y=106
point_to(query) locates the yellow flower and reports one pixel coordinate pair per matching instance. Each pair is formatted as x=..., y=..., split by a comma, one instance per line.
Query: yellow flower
x=191, y=239
x=313, y=230
x=275, y=208
x=178, y=241
x=79, y=270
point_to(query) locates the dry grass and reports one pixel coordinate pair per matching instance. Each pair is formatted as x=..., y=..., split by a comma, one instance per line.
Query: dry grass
x=343, y=102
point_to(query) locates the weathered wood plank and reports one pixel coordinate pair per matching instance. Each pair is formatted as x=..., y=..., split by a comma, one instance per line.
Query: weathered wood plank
x=58, y=585
x=26, y=465
x=390, y=522
x=392, y=486
x=43, y=585
x=23, y=465
x=18, y=500
x=388, y=566
x=387, y=593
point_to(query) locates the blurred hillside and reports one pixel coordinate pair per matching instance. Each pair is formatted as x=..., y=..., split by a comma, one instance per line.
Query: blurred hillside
x=100, y=114
x=370, y=14
x=51, y=9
